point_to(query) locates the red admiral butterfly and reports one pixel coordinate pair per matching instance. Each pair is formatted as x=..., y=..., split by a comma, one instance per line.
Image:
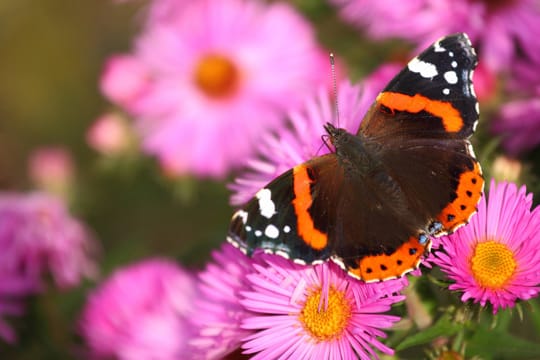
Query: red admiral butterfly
x=408, y=174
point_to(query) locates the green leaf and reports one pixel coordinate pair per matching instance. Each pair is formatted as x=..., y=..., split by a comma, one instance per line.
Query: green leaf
x=443, y=327
x=500, y=345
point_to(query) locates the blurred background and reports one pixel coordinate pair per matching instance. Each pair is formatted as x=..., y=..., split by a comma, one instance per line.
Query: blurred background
x=52, y=54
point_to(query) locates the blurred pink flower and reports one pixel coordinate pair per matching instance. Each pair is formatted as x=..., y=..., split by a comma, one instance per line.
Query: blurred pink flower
x=110, y=134
x=14, y=287
x=302, y=140
x=316, y=312
x=140, y=312
x=218, y=313
x=501, y=30
x=206, y=84
x=518, y=124
x=52, y=169
x=495, y=258
x=39, y=236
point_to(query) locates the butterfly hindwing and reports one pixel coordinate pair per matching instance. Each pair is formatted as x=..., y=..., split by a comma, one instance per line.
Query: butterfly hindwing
x=283, y=219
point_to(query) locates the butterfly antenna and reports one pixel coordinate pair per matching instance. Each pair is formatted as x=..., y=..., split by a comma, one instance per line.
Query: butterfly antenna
x=334, y=84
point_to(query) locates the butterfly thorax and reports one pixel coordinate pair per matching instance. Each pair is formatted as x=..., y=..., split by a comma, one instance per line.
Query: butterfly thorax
x=357, y=155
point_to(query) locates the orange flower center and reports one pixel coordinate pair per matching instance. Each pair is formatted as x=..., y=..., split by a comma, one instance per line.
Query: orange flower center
x=217, y=76
x=326, y=323
x=492, y=264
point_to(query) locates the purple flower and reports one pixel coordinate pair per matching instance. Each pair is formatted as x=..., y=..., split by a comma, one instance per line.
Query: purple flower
x=14, y=287
x=140, y=312
x=316, y=312
x=497, y=28
x=495, y=258
x=204, y=84
x=38, y=236
x=302, y=141
x=218, y=313
x=518, y=124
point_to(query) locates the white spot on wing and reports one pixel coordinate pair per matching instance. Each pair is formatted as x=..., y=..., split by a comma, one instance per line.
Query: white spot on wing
x=446, y=91
x=271, y=231
x=425, y=69
x=286, y=228
x=438, y=48
x=454, y=64
x=451, y=77
x=258, y=233
x=477, y=108
x=242, y=215
x=282, y=254
x=451, y=54
x=266, y=205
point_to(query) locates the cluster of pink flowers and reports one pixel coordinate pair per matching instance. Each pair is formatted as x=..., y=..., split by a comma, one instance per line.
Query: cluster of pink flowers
x=155, y=309
x=211, y=88
x=39, y=237
x=213, y=74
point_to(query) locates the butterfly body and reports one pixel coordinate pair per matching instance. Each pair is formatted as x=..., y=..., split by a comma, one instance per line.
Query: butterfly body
x=407, y=174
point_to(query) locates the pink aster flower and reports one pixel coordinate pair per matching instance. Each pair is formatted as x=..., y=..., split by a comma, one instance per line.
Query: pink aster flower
x=218, y=312
x=316, y=312
x=518, y=124
x=495, y=259
x=52, y=169
x=39, y=236
x=302, y=141
x=14, y=287
x=497, y=28
x=206, y=83
x=140, y=312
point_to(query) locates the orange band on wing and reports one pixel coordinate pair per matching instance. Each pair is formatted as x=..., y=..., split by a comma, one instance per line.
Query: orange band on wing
x=452, y=120
x=302, y=202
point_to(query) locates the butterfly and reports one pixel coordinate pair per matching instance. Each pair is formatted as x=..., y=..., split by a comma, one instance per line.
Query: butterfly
x=373, y=204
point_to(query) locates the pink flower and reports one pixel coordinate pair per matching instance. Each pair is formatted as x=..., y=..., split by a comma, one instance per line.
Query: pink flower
x=206, y=83
x=497, y=28
x=302, y=141
x=495, y=259
x=109, y=134
x=14, y=287
x=218, y=312
x=140, y=312
x=38, y=236
x=518, y=124
x=52, y=169
x=316, y=312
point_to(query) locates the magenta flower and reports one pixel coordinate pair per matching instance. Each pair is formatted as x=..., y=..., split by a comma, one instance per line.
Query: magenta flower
x=140, y=312
x=495, y=259
x=302, y=141
x=204, y=84
x=518, y=124
x=38, y=236
x=14, y=287
x=218, y=312
x=316, y=312
x=497, y=28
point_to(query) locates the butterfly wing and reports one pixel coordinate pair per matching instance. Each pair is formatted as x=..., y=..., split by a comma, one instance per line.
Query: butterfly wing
x=282, y=217
x=429, y=179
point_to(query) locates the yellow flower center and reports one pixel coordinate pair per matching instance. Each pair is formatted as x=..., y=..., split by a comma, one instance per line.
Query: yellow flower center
x=492, y=264
x=328, y=322
x=217, y=76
